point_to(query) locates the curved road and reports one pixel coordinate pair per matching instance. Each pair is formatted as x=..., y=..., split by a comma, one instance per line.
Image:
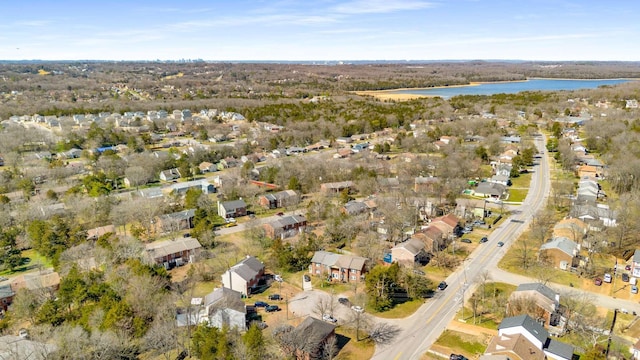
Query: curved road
x=421, y=329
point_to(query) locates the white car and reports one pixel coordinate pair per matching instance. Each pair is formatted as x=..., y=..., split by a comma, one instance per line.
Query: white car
x=607, y=278
x=357, y=308
x=329, y=318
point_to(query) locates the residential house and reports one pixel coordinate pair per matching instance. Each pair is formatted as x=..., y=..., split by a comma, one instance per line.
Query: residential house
x=171, y=253
x=425, y=184
x=433, y=239
x=22, y=348
x=387, y=184
x=594, y=215
x=511, y=139
x=95, y=233
x=285, y=226
x=151, y=193
x=182, y=187
x=312, y=334
x=560, y=252
x=169, y=175
x=46, y=279
x=490, y=190
x=571, y=228
x=635, y=264
x=353, y=208
x=181, y=220
x=503, y=169
x=6, y=296
x=345, y=268
x=541, y=302
x=409, y=252
x=223, y=307
x=71, y=154
x=636, y=351
x=279, y=199
x=336, y=187
x=448, y=224
x=588, y=170
x=512, y=347
x=343, y=153
x=535, y=334
x=500, y=179
x=244, y=276
x=232, y=209
x=206, y=167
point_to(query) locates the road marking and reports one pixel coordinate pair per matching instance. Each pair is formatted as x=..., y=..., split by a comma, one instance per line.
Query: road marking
x=398, y=357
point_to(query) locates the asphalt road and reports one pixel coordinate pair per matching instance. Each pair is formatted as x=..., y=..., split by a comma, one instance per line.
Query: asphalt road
x=424, y=327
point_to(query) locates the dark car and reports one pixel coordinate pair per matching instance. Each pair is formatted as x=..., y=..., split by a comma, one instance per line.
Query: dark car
x=280, y=213
x=260, y=304
x=484, y=239
x=627, y=267
x=597, y=281
x=272, y=308
x=275, y=297
x=344, y=301
x=625, y=277
x=500, y=244
x=468, y=241
x=443, y=285
x=457, y=357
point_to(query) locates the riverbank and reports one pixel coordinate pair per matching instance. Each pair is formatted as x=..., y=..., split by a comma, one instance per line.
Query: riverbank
x=393, y=95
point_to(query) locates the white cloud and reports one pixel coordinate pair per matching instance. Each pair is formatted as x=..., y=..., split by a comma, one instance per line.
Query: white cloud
x=380, y=6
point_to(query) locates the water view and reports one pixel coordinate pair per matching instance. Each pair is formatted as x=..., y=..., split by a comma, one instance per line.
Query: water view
x=512, y=87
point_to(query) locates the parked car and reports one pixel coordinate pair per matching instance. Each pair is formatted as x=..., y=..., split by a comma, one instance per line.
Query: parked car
x=634, y=289
x=280, y=213
x=260, y=304
x=467, y=241
x=597, y=281
x=357, y=308
x=272, y=308
x=443, y=285
x=500, y=244
x=457, y=357
x=625, y=277
x=344, y=301
x=418, y=272
x=484, y=239
x=260, y=324
x=627, y=267
x=329, y=318
x=607, y=278
x=275, y=297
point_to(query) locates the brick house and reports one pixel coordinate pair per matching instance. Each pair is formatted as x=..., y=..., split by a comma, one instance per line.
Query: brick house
x=345, y=268
x=560, y=253
x=433, y=239
x=542, y=303
x=232, y=209
x=336, y=187
x=171, y=253
x=181, y=220
x=408, y=252
x=285, y=226
x=279, y=199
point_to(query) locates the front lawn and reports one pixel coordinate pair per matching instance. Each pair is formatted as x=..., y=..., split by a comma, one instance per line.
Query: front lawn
x=461, y=343
x=31, y=259
x=401, y=310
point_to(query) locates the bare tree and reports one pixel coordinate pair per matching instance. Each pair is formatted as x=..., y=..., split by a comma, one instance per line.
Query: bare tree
x=138, y=175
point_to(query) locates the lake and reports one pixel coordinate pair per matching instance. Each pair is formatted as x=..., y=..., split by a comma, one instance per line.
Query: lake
x=511, y=87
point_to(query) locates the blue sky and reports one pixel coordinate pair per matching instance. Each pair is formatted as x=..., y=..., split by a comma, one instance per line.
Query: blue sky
x=320, y=30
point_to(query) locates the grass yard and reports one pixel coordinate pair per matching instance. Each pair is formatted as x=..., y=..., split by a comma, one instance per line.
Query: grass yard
x=400, y=310
x=517, y=195
x=35, y=261
x=521, y=181
x=461, y=343
x=352, y=349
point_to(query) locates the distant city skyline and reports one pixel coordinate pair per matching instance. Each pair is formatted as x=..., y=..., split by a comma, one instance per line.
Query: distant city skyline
x=321, y=30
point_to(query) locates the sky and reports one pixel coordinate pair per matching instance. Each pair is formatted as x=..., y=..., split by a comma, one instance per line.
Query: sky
x=330, y=30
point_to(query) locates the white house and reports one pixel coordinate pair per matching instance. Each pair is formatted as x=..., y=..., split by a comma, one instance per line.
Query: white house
x=243, y=276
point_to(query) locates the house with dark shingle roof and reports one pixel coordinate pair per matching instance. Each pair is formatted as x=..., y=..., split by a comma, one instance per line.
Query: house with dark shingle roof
x=408, y=252
x=546, y=303
x=311, y=336
x=181, y=220
x=285, y=226
x=279, y=199
x=232, y=209
x=345, y=268
x=224, y=307
x=176, y=252
x=536, y=334
x=244, y=276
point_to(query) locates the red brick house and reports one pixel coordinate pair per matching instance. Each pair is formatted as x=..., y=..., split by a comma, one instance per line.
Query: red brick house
x=279, y=199
x=284, y=227
x=174, y=252
x=345, y=268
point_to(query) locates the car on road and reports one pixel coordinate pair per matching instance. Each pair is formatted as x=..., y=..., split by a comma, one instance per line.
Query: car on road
x=275, y=297
x=443, y=285
x=597, y=281
x=260, y=304
x=607, y=278
x=457, y=357
x=272, y=308
x=329, y=318
x=467, y=241
x=357, y=308
x=484, y=239
x=500, y=244
x=625, y=277
x=344, y=301
x=634, y=289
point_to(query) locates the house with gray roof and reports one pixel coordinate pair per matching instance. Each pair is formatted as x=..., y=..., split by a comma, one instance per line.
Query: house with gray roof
x=22, y=348
x=244, y=276
x=560, y=252
x=170, y=174
x=353, y=208
x=232, y=209
x=490, y=190
x=181, y=220
x=279, y=199
x=312, y=334
x=175, y=252
x=285, y=226
x=547, y=303
x=201, y=184
x=223, y=307
x=336, y=267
